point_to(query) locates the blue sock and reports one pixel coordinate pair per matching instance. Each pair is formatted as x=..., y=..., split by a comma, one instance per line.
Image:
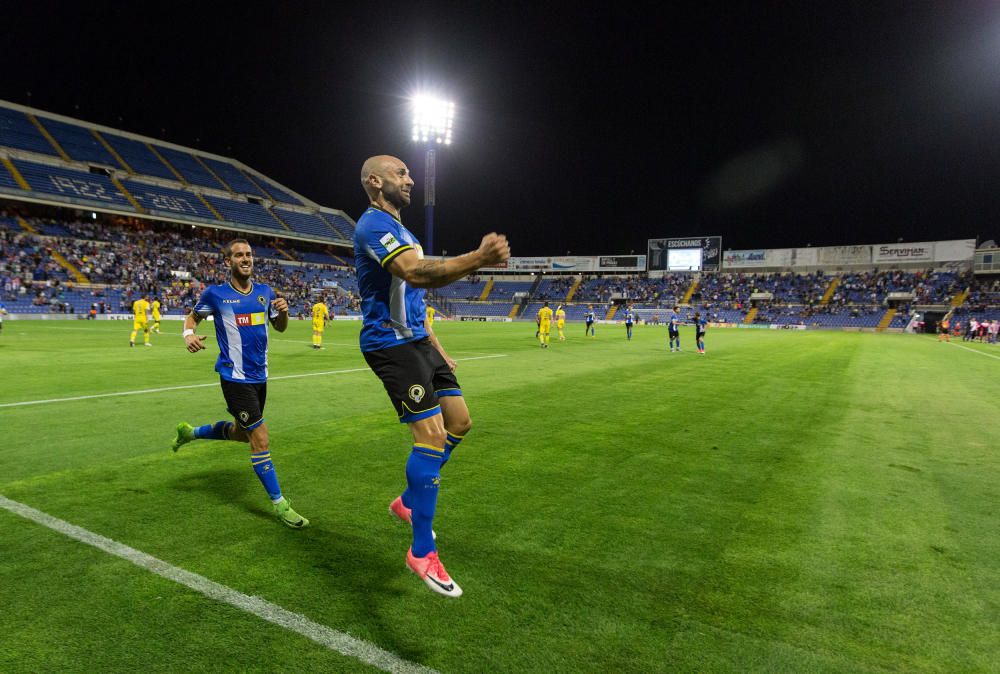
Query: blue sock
x=423, y=475
x=216, y=431
x=265, y=473
x=451, y=442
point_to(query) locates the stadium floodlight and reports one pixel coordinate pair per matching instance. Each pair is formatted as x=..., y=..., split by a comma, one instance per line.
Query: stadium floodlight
x=433, y=119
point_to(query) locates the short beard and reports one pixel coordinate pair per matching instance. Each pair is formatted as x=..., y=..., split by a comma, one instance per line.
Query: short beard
x=397, y=199
x=237, y=274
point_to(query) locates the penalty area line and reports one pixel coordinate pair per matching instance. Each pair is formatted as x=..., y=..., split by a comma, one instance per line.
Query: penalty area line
x=192, y=386
x=340, y=642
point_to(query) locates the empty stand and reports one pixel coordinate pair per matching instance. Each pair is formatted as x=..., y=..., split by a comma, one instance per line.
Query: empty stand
x=306, y=223
x=17, y=131
x=78, y=142
x=166, y=201
x=246, y=213
x=72, y=184
x=189, y=167
x=341, y=225
x=139, y=158
x=233, y=177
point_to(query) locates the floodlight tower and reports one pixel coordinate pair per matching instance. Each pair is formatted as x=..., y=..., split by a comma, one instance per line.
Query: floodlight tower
x=432, y=122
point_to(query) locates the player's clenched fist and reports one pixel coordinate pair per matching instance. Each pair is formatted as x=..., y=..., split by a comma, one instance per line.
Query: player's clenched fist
x=281, y=304
x=195, y=343
x=494, y=249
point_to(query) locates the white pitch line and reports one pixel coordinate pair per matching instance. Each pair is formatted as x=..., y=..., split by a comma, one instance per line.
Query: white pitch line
x=190, y=386
x=340, y=642
x=981, y=353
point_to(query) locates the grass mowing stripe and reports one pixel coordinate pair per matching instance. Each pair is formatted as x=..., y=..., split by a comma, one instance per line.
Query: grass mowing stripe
x=340, y=642
x=190, y=386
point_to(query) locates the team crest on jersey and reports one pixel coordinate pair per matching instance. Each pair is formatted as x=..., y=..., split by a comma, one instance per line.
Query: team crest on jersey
x=262, y=300
x=416, y=393
x=244, y=416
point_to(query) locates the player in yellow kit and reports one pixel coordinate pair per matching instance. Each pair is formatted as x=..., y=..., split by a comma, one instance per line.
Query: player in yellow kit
x=544, y=325
x=156, y=315
x=140, y=321
x=321, y=314
x=561, y=322
x=430, y=315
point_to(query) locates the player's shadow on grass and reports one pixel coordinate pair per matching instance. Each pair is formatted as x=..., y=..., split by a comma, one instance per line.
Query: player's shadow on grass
x=345, y=567
x=226, y=485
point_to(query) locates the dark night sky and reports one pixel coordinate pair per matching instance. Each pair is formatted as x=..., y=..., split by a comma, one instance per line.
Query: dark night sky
x=587, y=128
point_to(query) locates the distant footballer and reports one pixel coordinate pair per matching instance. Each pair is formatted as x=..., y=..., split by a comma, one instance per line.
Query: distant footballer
x=241, y=310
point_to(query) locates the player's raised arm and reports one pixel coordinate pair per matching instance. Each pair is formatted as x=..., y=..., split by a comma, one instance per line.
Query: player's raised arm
x=437, y=273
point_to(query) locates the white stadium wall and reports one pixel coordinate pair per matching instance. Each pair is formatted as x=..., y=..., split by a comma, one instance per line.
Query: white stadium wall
x=953, y=253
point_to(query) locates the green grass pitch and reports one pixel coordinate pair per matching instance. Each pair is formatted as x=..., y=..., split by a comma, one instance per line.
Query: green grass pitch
x=791, y=501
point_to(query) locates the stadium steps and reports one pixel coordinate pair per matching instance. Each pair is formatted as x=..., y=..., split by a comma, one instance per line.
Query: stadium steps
x=830, y=289
x=121, y=188
x=437, y=310
x=48, y=136
x=285, y=253
x=515, y=309
x=483, y=296
x=690, y=291
x=337, y=257
x=15, y=174
x=752, y=314
x=177, y=174
x=275, y=216
x=118, y=158
x=209, y=206
x=573, y=288
x=959, y=299
x=213, y=174
x=260, y=187
x=886, y=320
x=611, y=313
x=25, y=226
x=70, y=267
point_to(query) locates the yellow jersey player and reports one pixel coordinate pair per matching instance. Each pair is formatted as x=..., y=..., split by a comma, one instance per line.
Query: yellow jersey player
x=430, y=315
x=140, y=320
x=561, y=322
x=544, y=325
x=156, y=315
x=321, y=314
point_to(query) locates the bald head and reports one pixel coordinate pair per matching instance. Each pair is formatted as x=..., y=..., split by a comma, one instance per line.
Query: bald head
x=378, y=165
x=386, y=179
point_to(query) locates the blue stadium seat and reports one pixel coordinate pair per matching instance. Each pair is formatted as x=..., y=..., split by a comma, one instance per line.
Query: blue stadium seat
x=78, y=142
x=17, y=131
x=340, y=225
x=242, y=212
x=167, y=201
x=276, y=193
x=139, y=157
x=6, y=179
x=233, y=177
x=70, y=183
x=306, y=223
x=189, y=167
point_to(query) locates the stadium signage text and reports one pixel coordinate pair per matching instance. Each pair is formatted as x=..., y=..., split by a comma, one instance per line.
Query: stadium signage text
x=711, y=247
x=903, y=252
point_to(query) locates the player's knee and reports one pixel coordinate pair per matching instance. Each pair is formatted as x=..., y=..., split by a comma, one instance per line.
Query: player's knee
x=461, y=426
